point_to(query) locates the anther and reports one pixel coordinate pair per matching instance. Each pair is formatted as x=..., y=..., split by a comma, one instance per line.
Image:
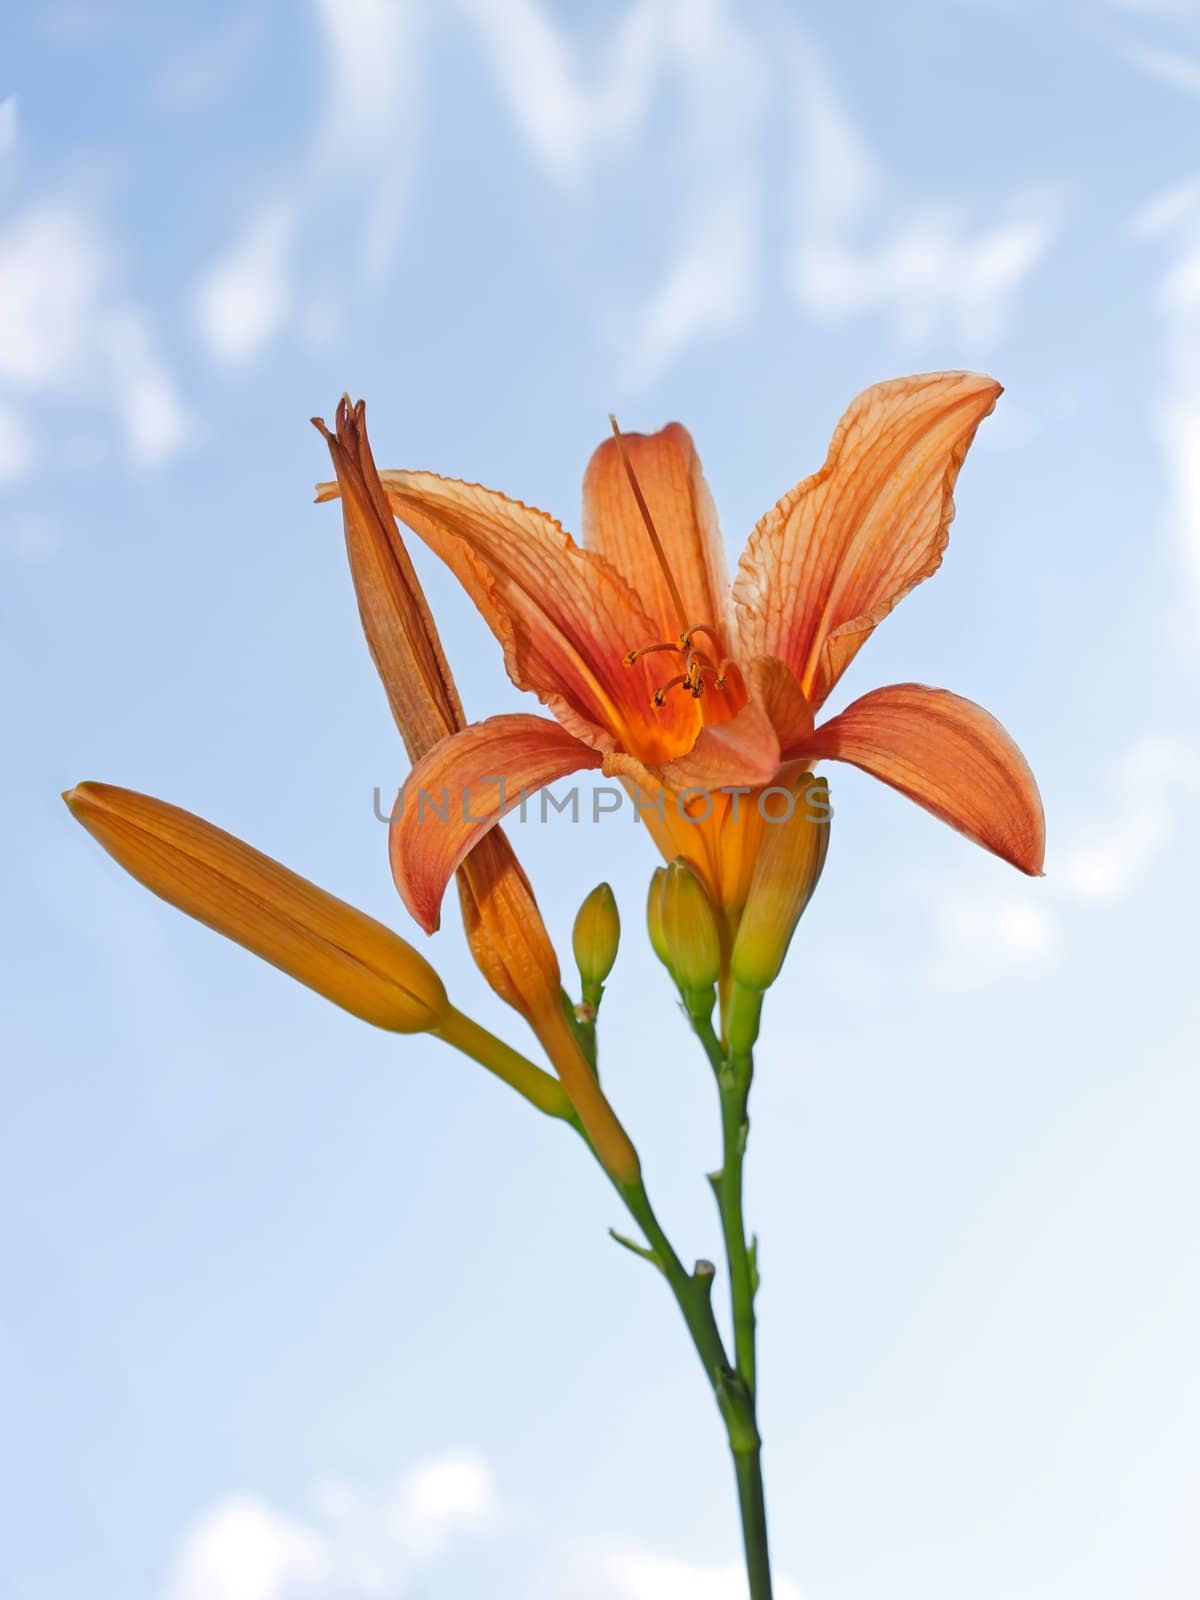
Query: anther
x=660, y=694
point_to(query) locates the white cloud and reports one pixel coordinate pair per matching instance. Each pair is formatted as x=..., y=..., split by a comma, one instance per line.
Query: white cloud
x=245, y=1550
x=1110, y=857
x=1175, y=216
x=573, y=121
x=706, y=289
x=8, y=123
x=571, y=115
x=631, y=1572
x=357, y=1544
x=987, y=936
x=210, y=62
x=244, y=300
x=565, y=123
x=54, y=269
x=997, y=933
x=1169, y=66
x=150, y=410
x=346, y=198
x=1166, y=211
x=69, y=333
x=927, y=268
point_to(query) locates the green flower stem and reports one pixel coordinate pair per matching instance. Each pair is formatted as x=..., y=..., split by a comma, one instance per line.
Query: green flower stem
x=692, y=1290
x=732, y=1383
x=734, y=1074
x=538, y=1087
x=748, y=1467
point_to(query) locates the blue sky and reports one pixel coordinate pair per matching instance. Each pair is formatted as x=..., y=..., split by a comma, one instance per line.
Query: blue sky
x=297, y=1311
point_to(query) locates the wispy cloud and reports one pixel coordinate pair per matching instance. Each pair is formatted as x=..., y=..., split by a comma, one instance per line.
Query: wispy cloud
x=245, y=299
x=566, y=122
x=858, y=249
x=243, y=1549
x=1157, y=37
x=346, y=197
x=1169, y=66
x=8, y=123
x=1000, y=932
x=989, y=935
x=70, y=334
x=207, y=66
x=356, y=1544
x=1158, y=777
x=574, y=119
x=1174, y=216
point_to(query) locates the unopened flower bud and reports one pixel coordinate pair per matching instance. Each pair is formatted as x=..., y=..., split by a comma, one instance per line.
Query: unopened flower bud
x=786, y=871
x=595, y=938
x=691, y=935
x=654, y=918
x=316, y=938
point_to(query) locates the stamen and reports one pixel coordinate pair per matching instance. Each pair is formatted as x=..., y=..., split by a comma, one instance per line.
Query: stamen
x=633, y=656
x=660, y=694
x=685, y=638
x=676, y=597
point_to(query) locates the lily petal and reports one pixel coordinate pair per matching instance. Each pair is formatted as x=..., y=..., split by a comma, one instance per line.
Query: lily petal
x=950, y=756
x=777, y=689
x=743, y=752
x=396, y=619
x=503, y=926
x=670, y=477
x=564, y=617
x=833, y=557
x=459, y=791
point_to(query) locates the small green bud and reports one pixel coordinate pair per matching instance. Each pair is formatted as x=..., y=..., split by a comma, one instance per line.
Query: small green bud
x=654, y=918
x=692, y=936
x=786, y=871
x=595, y=937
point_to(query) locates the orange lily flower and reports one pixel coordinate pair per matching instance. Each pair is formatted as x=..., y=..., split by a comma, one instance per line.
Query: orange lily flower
x=659, y=672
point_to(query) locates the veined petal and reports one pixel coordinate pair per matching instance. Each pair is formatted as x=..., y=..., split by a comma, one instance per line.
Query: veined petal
x=504, y=929
x=777, y=689
x=316, y=938
x=462, y=788
x=833, y=557
x=743, y=752
x=950, y=756
x=396, y=619
x=670, y=477
x=564, y=617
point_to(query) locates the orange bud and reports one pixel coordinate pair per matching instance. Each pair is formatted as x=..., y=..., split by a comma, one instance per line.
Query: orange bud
x=316, y=938
x=504, y=928
x=786, y=871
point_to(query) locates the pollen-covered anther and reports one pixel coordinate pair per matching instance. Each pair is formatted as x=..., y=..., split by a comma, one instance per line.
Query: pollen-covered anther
x=664, y=689
x=699, y=667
